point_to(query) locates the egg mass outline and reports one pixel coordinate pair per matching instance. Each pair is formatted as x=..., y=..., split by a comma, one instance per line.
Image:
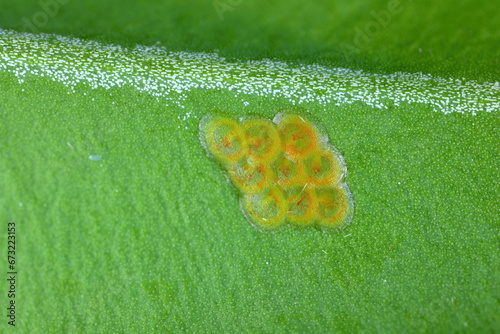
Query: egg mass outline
x=286, y=171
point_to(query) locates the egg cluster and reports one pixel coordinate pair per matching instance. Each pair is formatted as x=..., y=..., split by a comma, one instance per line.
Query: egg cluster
x=285, y=170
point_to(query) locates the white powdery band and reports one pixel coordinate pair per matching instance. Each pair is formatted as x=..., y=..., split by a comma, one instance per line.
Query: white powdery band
x=169, y=75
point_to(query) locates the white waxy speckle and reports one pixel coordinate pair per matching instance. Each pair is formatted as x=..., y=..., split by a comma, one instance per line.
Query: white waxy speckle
x=95, y=157
x=168, y=76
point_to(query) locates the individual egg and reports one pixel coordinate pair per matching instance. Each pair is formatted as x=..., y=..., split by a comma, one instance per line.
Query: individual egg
x=300, y=138
x=250, y=177
x=302, y=206
x=335, y=207
x=289, y=172
x=223, y=138
x=325, y=167
x=263, y=139
x=266, y=210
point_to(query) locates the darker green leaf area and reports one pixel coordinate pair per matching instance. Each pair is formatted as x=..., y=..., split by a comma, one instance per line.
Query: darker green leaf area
x=450, y=38
x=152, y=238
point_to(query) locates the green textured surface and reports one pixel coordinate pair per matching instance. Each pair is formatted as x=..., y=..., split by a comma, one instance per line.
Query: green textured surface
x=153, y=235
x=457, y=37
x=151, y=238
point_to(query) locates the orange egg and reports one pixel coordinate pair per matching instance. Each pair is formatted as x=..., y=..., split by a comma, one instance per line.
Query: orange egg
x=300, y=137
x=266, y=210
x=264, y=141
x=324, y=168
x=224, y=138
x=302, y=209
x=335, y=207
x=288, y=172
x=249, y=177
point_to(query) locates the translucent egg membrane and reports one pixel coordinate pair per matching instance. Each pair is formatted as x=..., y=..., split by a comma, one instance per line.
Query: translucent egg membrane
x=286, y=171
